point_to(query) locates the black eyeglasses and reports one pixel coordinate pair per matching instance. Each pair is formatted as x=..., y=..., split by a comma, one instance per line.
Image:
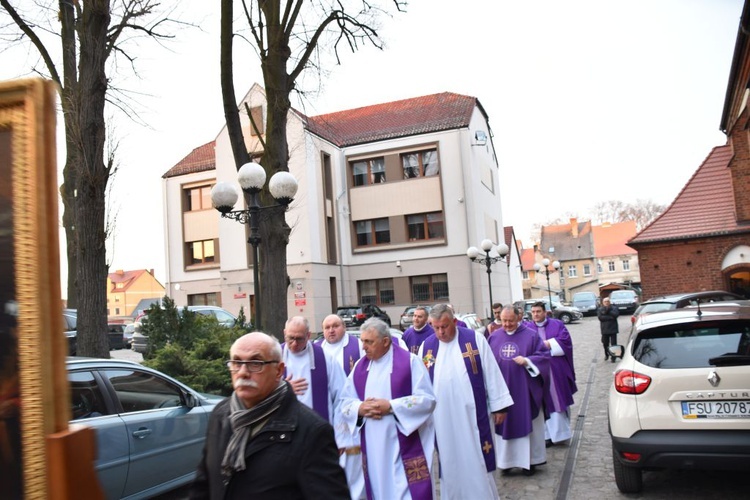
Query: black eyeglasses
x=253, y=366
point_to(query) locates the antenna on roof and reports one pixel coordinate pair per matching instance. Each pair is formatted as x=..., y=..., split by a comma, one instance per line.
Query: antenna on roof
x=700, y=313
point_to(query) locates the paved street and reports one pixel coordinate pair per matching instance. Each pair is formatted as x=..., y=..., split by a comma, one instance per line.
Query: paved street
x=583, y=470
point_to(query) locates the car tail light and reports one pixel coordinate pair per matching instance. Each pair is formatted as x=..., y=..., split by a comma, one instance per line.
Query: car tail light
x=632, y=319
x=630, y=382
x=630, y=457
x=360, y=316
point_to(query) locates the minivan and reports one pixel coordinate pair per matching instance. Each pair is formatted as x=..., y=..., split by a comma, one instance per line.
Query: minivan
x=586, y=302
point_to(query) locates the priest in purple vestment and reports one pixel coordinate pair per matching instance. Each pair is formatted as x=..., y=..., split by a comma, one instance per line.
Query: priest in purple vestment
x=419, y=330
x=561, y=385
x=524, y=363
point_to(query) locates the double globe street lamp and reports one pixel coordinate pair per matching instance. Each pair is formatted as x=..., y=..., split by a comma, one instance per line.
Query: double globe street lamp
x=487, y=260
x=547, y=271
x=252, y=177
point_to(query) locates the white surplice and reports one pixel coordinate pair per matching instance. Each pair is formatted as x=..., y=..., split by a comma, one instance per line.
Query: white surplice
x=462, y=466
x=299, y=365
x=350, y=460
x=411, y=413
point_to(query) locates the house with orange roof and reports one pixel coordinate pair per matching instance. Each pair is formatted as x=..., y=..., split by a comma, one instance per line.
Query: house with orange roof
x=616, y=262
x=390, y=198
x=702, y=240
x=125, y=289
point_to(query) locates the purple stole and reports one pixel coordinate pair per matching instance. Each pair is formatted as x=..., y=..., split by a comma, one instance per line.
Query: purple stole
x=412, y=454
x=319, y=382
x=468, y=344
x=351, y=353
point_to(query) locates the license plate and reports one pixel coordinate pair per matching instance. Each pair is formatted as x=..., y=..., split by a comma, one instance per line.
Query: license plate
x=716, y=409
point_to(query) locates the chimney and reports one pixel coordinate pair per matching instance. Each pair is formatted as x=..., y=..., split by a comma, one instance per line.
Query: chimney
x=574, y=227
x=151, y=272
x=120, y=272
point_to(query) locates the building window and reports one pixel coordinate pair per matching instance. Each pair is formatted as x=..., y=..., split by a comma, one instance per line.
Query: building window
x=572, y=271
x=378, y=292
x=201, y=252
x=430, y=288
x=204, y=299
x=372, y=232
x=525, y=275
x=117, y=311
x=587, y=269
x=198, y=198
x=421, y=164
x=120, y=285
x=611, y=266
x=367, y=172
x=117, y=298
x=425, y=226
x=599, y=267
x=626, y=265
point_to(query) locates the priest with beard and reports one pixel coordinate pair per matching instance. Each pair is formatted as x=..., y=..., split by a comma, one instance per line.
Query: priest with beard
x=524, y=363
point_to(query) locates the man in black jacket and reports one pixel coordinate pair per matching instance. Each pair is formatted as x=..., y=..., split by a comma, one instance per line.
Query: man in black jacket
x=261, y=441
x=608, y=314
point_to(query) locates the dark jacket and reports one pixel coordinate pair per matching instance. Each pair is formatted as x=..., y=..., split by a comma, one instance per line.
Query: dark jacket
x=608, y=319
x=293, y=456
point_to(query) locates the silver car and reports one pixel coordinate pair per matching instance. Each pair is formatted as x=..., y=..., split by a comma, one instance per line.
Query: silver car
x=149, y=427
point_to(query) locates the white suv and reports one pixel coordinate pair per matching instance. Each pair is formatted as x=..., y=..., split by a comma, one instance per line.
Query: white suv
x=681, y=394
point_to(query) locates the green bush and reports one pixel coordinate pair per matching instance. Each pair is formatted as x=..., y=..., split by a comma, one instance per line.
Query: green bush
x=190, y=347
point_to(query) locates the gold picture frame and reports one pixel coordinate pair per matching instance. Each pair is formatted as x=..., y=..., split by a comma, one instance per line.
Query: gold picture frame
x=35, y=394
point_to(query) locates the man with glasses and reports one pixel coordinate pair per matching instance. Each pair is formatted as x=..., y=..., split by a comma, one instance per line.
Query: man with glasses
x=261, y=442
x=315, y=378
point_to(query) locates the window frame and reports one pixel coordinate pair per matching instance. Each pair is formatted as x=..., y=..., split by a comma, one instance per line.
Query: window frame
x=369, y=175
x=380, y=285
x=431, y=295
x=204, y=197
x=420, y=166
x=426, y=224
x=372, y=240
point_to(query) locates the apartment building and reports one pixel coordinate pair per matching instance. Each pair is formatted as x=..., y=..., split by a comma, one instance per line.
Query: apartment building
x=390, y=198
x=126, y=289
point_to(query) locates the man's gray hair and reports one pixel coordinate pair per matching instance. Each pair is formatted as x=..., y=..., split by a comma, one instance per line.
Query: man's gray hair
x=298, y=320
x=377, y=324
x=514, y=309
x=440, y=310
x=421, y=308
x=274, y=348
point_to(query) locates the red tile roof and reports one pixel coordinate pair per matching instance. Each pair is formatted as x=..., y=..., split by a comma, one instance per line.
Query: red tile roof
x=200, y=159
x=510, y=240
x=127, y=278
x=419, y=115
x=528, y=258
x=704, y=207
x=611, y=239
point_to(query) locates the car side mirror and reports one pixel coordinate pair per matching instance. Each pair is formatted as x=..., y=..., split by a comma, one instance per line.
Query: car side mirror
x=616, y=351
x=190, y=400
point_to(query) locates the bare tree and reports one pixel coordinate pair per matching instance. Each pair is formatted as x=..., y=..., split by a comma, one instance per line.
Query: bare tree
x=288, y=37
x=93, y=35
x=614, y=211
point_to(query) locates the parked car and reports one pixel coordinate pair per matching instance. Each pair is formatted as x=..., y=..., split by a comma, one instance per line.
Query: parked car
x=150, y=428
x=624, y=300
x=407, y=317
x=471, y=320
x=680, y=300
x=115, y=336
x=224, y=317
x=586, y=302
x=680, y=397
x=354, y=316
x=127, y=335
x=70, y=325
x=566, y=314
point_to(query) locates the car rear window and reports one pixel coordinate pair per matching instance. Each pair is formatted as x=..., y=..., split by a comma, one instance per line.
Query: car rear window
x=655, y=307
x=693, y=345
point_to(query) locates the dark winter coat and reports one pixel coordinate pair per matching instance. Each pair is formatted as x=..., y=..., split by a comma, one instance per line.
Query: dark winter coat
x=608, y=319
x=293, y=456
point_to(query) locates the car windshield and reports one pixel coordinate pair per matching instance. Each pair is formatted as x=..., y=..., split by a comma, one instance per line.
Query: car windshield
x=692, y=345
x=622, y=294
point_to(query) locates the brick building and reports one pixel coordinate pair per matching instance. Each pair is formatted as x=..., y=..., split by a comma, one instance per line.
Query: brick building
x=702, y=241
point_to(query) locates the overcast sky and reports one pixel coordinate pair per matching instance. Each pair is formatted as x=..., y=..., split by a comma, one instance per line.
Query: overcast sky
x=588, y=100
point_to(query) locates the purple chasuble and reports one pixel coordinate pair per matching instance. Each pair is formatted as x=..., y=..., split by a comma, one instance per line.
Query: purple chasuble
x=413, y=338
x=558, y=394
x=527, y=391
x=468, y=345
x=351, y=353
x=411, y=451
x=319, y=382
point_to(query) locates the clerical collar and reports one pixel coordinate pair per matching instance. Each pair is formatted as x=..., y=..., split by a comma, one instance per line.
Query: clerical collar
x=420, y=329
x=498, y=322
x=511, y=333
x=341, y=340
x=541, y=324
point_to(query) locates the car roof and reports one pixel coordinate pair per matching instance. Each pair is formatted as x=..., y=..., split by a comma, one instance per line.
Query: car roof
x=676, y=297
x=717, y=310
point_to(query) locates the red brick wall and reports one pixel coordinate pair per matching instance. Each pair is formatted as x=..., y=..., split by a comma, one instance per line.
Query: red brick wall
x=685, y=266
x=740, y=166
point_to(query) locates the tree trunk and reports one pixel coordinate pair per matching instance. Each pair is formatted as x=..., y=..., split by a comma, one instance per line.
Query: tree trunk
x=92, y=182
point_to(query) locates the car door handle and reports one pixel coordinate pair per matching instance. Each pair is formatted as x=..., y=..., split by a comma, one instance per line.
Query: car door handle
x=141, y=433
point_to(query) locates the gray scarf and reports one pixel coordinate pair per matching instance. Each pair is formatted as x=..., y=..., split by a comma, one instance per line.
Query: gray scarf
x=242, y=419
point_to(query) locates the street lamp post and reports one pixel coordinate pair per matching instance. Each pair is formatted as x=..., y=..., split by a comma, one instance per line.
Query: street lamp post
x=546, y=270
x=476, y=256
x=252, y=177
